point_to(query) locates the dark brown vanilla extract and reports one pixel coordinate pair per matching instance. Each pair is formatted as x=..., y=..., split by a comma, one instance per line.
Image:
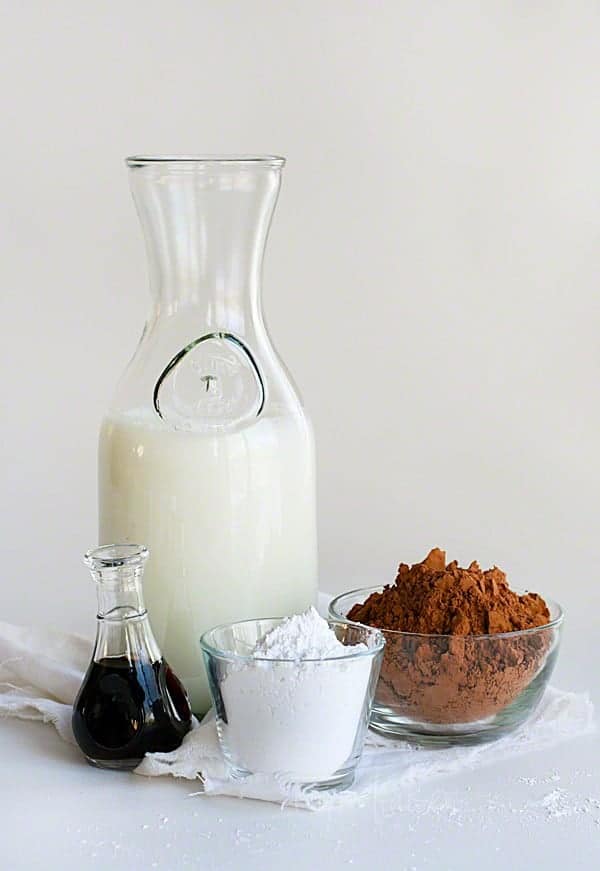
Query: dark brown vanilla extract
x=130, y=703
x=127, y=708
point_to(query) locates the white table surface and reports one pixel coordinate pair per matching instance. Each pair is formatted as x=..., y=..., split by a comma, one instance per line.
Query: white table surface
x=57, y=812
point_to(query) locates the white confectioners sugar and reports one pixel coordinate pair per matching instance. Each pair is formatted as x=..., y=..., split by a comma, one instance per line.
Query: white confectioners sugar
x=296, y=718
x=303, y=636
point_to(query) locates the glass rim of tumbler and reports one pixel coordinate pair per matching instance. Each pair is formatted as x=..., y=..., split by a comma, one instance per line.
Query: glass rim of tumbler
x=248, y=160
x=556, y=613
x=375, y=643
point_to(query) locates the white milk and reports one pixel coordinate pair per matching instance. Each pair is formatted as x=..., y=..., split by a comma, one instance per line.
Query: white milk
x=229, y=520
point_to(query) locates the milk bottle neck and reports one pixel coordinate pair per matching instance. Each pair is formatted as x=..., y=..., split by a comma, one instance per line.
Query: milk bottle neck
x=205, y=223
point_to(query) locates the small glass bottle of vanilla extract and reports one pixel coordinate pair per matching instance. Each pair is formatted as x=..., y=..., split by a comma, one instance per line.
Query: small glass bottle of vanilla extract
x=130, y=702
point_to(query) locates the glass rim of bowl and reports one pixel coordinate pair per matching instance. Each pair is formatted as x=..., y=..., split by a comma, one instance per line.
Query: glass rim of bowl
x=371, y=650
x=553, y=606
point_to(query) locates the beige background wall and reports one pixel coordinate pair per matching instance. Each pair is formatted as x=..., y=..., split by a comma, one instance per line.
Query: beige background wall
x=431, y=279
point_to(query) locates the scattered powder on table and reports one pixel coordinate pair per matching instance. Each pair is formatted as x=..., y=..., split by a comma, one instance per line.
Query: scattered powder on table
x=454, y=678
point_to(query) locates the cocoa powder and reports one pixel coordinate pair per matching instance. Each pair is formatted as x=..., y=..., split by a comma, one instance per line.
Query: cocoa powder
x=457, y=677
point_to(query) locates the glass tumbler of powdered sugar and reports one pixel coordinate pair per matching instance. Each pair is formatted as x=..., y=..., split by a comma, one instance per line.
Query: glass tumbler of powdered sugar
x=301, y=721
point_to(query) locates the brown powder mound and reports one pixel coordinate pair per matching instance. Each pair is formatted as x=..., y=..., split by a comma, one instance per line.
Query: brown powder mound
x=440, y=599
x=455, y=678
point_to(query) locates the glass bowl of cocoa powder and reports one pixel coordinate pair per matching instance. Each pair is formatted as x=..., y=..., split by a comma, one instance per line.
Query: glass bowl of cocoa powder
x=466, y=658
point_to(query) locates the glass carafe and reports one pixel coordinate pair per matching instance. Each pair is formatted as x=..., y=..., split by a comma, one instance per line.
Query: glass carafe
x=206, y=453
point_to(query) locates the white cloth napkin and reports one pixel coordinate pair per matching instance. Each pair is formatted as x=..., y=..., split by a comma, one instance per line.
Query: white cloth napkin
x=41, y=670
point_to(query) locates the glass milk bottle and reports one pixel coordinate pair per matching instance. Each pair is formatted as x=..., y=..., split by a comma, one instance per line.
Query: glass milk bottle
x=206, y=453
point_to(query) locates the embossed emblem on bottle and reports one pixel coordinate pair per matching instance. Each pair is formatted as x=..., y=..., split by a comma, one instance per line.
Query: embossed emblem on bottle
x=211, y=384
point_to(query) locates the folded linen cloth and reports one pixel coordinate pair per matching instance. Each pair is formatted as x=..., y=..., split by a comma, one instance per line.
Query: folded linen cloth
x=41, y=670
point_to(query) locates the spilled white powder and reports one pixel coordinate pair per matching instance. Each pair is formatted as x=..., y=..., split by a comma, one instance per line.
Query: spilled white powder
x=303, y=720
x=557, y=804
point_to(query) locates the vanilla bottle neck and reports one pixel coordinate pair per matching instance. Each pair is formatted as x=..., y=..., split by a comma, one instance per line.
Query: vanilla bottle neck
x=123, y=628
x=120, y=594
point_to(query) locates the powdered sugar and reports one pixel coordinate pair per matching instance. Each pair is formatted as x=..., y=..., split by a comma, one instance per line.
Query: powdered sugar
x=557, y=804
x=302, y=715
x=303, y=636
